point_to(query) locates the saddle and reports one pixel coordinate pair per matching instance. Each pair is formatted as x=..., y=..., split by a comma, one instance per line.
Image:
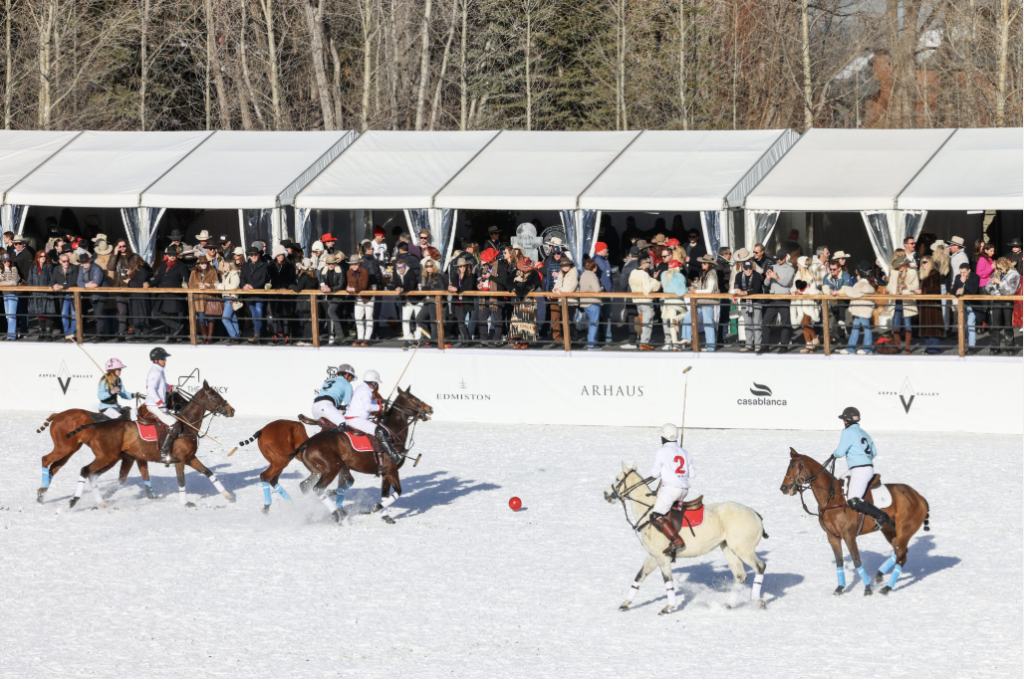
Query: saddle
x=687, y=514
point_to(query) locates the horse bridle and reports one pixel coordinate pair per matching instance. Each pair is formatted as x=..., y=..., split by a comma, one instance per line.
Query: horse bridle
x=412, y=416
x=807, y=483
x=207, y=410
x=623, y=495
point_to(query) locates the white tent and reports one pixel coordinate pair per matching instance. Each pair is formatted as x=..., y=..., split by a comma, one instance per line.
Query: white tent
x=392, y=170
x=104, y=169
x=846, y=170
x=687, y=170
x=247, y=170
x=977, y=169
x=533, y=170
x=21, y=152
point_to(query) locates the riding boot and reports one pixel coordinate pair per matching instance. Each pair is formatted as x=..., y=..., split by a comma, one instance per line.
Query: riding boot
x=675, y=542
x=864, y=507
x=385, y=440
x=168, y=443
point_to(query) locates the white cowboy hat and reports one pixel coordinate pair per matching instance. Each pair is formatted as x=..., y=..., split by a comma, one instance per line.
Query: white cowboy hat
x=555, y=240
x=203, y=235
x=841, y=255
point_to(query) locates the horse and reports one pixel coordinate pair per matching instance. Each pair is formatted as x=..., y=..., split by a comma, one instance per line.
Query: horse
x=329, y=454
x=114, y=437
x=736, y=528
x=909, y=512
x=64, y=447
x=277, y=442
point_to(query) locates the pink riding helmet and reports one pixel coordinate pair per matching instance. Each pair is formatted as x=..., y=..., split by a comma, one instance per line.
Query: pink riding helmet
x=114, y=364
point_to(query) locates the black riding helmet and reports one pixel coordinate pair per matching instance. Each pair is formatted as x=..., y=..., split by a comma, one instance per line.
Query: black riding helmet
x=850, y=415
x=158, y=354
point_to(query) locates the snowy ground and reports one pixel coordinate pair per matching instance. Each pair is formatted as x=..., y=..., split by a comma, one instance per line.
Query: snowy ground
x=462, y=586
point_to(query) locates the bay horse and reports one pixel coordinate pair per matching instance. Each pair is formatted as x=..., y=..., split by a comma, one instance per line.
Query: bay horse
x=736, y=528
x=114, y=437
x=908, y=513
x=329, y=454
x=75, y=419
x=277, y=441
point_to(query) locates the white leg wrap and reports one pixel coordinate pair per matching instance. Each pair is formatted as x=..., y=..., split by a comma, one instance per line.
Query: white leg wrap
x=217, y=484
x=329, y=502
x=181, y=495
x=389, y=500
x=80, y=488
x=670, y=590
x=755, y=589
x=631, y=594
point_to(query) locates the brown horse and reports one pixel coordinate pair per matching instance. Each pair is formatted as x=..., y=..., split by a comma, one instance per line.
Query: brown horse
x=908, y=512
x=329, y=454
x=75, y=419
x=116, y=437
x=278, y=442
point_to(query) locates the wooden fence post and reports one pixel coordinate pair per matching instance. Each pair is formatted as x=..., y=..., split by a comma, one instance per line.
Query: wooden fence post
x=439, y=306
x=694, y=325
x=825, y=331
x=566, y=337
x=191, y=318
x=79, y=321
x=961, y=328
x=314, y=318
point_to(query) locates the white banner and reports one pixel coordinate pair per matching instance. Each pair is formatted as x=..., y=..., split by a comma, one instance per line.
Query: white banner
x=549, y=387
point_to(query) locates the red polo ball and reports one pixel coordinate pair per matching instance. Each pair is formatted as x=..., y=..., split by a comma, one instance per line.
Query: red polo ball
x=515, y=504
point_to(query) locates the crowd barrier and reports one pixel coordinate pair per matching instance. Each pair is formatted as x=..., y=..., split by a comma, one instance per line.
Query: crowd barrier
x=555, y=388
x=308, y=309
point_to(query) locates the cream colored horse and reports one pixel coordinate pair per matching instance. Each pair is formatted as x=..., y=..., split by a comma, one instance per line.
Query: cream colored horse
x=735, y=528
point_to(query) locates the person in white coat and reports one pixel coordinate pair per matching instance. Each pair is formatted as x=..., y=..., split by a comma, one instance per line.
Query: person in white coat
x=673, y=469
x=156, y=402
x=365, y=402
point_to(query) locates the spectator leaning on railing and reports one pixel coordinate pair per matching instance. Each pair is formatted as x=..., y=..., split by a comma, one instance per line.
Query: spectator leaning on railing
x=253, y=276
x=91, y=276
x=403, y=281
x=591, y=306
x=170, y=274
x=9, y=278
x=1004, y=281
x=64, y=276
x=491, y=310
x=675, y=312
x=861, y=310
x=748, y=281
x=566, y=280
x=332, y=277
x=229, y=280
x=305, y=280
x=358, y=281
x=903, y=281
x=778, y=280
x=41, y=305
x=640, y=281
x=807, y=313
x=708, y=311
x=966, y=283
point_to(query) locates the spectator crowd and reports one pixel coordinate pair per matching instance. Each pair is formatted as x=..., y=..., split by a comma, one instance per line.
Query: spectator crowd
x=674, y=266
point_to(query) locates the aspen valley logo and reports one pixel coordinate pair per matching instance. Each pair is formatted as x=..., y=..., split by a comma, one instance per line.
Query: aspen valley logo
x=907, y=394
x=63, y=376
x=464, y=394
x=763, y=396
x=613, y=390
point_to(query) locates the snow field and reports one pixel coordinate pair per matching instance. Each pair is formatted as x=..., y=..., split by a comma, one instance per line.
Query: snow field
x=462, y=586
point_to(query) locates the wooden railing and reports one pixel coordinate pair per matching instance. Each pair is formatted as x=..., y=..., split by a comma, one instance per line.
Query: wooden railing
x=440, y=297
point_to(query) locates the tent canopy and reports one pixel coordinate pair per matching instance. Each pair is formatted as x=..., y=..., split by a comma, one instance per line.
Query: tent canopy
x=392, y=170
x=977, y=169
x=846, y=170
x=688, y=170
x=23, y=151
x=104, y=169
x=247, y=170
x=533, y=170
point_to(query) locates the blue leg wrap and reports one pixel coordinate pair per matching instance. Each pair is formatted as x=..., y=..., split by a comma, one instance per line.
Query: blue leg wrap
x=147, y=484
x=895, y=576
x=46, y=477
x=841, y=576
x=266, y=492
x=865, y=578
x=282, y=493
x=339, y=497
x=887, y=566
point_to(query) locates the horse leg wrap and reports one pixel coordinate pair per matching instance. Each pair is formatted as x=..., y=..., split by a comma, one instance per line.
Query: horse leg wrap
x=841, y=576
x=282, y=493
x=266, y=493
x=670, y=590
x=181, y=495
x=46, y=477
x=895, y=576
x=218, y=485
x=339, y=496
x=80, y=488
x=755, y=589
x=388, y=501
x=633, y=590
x=887, y=566
x=864, y=577
x=96, y=494
x=328, y=502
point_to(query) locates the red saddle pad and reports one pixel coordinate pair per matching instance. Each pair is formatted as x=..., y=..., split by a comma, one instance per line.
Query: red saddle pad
x=694, y=516
x=359, y=441
x=147, y=432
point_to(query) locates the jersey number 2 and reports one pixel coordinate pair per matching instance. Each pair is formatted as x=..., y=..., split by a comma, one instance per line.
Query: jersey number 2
x=681, y=462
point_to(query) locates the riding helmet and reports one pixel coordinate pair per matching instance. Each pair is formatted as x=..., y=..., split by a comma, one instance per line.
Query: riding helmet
x=372, y=376
x=158, y=354
x=850, y=414
x=670, y=432
x=346, y=369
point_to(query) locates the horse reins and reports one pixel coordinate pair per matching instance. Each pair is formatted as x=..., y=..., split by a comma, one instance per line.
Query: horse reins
x=807, y=485
x=641, y=522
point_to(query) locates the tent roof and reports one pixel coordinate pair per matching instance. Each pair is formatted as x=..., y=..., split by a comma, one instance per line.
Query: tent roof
x=22, y=151
x=687, y=170
x=977, y=169
x=392, y=170
x=104, y=169
x=846, y=170
x=533, y=170
x=247, y=170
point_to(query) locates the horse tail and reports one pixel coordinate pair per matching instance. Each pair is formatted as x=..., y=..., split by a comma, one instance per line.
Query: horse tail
x=84, y=426
x=251, y=438
x=764, y=534
x=927, y=514
x=46, y=424
x=300, y=450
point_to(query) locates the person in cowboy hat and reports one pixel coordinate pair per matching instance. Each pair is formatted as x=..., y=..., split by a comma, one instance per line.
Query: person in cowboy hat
x=957, y=254
x=841, y=257
x=1014, y=255
x=334, y=396
x=778, y=280
x=494, y=236
x=102, y=250
x=357, y=282
x=110, y=389
x=748, y=281
x=673, y=469
x=858, y=449
x=156, y=402
x=708, y=311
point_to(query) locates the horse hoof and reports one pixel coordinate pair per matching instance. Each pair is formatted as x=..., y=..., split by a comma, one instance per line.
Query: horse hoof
x=337, y=516
x=624, y=606
x=73, y=502
x=879, y=577
x=388, y=519
x=867, y=590
x=266, y=509
x=228, y=496
x=150, y=493
x=838, y=592
x=39, y=495
x=304, y=486
x=104, y=505
x=885, y=590
x=665, y=611
x=376, y=508
x=190, y=505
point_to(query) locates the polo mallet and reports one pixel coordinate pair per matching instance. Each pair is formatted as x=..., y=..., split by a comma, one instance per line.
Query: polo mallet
x=686, y=383
x=399, y=381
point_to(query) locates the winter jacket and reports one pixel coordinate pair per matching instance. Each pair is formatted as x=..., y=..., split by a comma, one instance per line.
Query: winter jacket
x=627, y=270
x=567, y=282
x=707, y=282
x=811, y=307
x=408, y=282
x=304, y=281
x=905, y=284
x=589, y=282
x=22, y=260
x=984, y=269
x=531, y=282
x=782, y=285
x=676, y=284
x=93, y=274
x=254, y=275
x=863, y=308
x=1006, y=285
x=605, y=270
x=359, y=281
x=39, y=303
x=641, y=282
x=9, y=276
x=552, y=267
x=211, y=283
x=334, y=276
x=66, y=278
x=971, y=287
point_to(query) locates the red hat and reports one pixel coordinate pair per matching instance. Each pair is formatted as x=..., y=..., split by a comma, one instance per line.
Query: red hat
x=378, y=231
x=674, y=264
x=327, y=238
x=488, y=255
x=600, y=247
x=673, y=242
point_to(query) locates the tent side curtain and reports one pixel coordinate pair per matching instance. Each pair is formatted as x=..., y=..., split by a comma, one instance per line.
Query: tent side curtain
x=140, y=226
x=580, y=233
x=288, y=195
x=714, y=224
x=773, y=155
x=758, y=226
x=887, y=229
x=13, y=218
x=440, y=222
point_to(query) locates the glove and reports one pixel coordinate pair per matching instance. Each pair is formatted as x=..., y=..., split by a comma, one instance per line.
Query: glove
x=138, y=394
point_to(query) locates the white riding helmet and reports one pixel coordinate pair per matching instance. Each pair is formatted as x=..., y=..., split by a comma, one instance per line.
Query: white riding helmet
x=372, y=376
x=670, y=432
